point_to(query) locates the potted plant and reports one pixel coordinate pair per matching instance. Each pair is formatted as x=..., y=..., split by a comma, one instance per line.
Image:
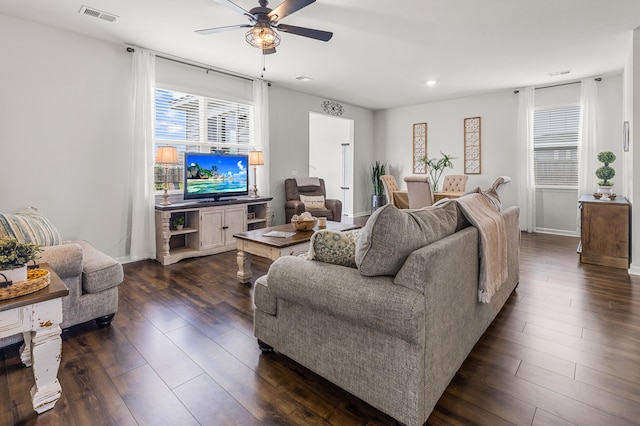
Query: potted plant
x=378, y=199
x=178, y=223
x=606, y=172
x=14, y=257
x=436, y=166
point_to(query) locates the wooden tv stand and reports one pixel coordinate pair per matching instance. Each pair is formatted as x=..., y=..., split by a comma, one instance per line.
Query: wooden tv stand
x=209, y=226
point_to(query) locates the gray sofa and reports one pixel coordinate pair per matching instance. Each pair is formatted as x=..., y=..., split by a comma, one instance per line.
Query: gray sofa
x=395, y=330
x=92, y=278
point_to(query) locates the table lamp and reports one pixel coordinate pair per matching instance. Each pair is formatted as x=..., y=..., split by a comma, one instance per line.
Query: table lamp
x=166, y=155
x=255, y=160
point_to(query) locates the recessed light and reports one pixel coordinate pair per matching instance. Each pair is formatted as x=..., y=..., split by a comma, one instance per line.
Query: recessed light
x=303, y=78
x=432, y=82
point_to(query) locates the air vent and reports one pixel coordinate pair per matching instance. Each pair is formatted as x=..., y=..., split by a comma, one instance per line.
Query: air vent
x=89, y=11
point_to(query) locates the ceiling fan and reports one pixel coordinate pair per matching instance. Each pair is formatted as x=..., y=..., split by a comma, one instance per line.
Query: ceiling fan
x=262, y=21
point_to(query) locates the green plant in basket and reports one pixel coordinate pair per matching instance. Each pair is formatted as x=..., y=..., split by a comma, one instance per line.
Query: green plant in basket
x=178, y=221
x=14, y=254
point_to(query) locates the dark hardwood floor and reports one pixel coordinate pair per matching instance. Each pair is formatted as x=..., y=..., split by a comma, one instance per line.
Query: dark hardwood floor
x=564, y=350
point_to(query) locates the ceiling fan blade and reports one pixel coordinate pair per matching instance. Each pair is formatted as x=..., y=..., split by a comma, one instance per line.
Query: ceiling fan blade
x=208, y=31
x=287, y=7
x=268, y=51
x=231, y=5
x=306, y=32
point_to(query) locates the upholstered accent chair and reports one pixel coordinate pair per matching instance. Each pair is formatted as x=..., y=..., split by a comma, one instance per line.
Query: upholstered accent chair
x=419, y=190
x=309, y=194
x=454, y=183
x=390, y=186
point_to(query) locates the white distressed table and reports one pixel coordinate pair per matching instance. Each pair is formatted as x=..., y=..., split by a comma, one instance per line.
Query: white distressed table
x=38, y=316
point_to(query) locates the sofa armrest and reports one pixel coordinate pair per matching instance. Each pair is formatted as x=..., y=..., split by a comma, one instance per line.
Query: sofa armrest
x=65, y=259
x=343, y=292
x=100, y=272
x=292, y=207
x=336, y=207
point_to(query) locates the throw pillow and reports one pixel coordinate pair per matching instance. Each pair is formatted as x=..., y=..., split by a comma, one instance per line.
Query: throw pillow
x=313, y=202
x=390, y=235
x=29, y=226
x=338, y=248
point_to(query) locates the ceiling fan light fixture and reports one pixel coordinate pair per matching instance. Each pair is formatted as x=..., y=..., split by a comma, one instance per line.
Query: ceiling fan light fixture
x=262, y=36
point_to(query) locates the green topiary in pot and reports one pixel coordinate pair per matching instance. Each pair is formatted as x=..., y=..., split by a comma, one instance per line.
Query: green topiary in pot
x=606, y=172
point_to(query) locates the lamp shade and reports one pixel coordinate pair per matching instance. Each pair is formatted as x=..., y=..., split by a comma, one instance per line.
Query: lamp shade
x=255, y=158
x=262, y=36
x=167, y=155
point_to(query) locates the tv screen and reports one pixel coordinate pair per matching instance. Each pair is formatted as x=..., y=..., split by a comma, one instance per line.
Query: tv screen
x=215, y=176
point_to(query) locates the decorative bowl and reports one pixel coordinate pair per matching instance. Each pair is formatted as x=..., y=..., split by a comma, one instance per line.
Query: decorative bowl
x=597, y=195
x=304, y=225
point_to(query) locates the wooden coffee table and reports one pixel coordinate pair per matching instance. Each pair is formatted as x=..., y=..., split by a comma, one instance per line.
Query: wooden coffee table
x=255, y=243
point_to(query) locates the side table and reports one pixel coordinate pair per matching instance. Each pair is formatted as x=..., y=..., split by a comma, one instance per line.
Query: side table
x=38, y=316
x=605, y=231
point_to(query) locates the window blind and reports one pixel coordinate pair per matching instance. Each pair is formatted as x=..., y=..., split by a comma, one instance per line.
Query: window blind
x=555, y=146
x=196, y=123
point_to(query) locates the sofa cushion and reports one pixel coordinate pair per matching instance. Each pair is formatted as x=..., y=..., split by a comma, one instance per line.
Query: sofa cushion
x=334, y=247
x=390, y=235
x=30, y=226
x=99, y=271
x=312, y=202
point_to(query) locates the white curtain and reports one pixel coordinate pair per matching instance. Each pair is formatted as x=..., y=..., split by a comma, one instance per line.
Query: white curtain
x=261, y=133
x=143, y=201
x=526, y=181
x=587, y=147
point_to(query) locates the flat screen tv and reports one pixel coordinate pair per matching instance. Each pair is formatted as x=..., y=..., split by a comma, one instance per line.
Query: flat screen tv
x=215, y=176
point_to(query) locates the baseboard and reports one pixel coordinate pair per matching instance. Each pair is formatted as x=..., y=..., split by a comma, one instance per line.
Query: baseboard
x=634, y=270
x=557, y=232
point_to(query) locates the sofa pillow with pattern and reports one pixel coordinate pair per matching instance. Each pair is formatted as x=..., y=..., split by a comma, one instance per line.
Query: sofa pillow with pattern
x=334, y=247
x=29, y=226
x=313, y=202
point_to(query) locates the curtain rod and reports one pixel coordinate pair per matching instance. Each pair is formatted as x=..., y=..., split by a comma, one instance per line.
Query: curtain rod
x=598, y=79
x=192, y=64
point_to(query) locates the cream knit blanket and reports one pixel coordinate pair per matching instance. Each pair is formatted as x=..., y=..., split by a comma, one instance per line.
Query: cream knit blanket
x=493, y=243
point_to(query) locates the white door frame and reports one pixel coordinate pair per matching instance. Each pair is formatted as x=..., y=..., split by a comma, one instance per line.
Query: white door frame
x=331, y=147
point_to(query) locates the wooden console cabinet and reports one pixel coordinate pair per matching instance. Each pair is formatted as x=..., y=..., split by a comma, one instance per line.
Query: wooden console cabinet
x=606, y=231
x=208, y=228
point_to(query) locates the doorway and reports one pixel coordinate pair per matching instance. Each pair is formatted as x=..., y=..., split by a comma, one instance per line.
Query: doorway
x=331, y=156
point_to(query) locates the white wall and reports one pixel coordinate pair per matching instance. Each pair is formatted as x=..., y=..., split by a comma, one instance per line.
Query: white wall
x=499, y=111
x=632, y=113
x=66, y=131
x=289, y=136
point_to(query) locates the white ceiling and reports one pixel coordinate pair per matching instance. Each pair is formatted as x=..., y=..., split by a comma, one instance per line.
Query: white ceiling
x=382, y=52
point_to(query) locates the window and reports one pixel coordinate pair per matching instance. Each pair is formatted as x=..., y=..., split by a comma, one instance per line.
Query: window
x=555, y=146
x=196, y=123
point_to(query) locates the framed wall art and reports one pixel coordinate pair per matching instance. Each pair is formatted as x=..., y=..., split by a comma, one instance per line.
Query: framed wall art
x=472, y=145
x=419, y=147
